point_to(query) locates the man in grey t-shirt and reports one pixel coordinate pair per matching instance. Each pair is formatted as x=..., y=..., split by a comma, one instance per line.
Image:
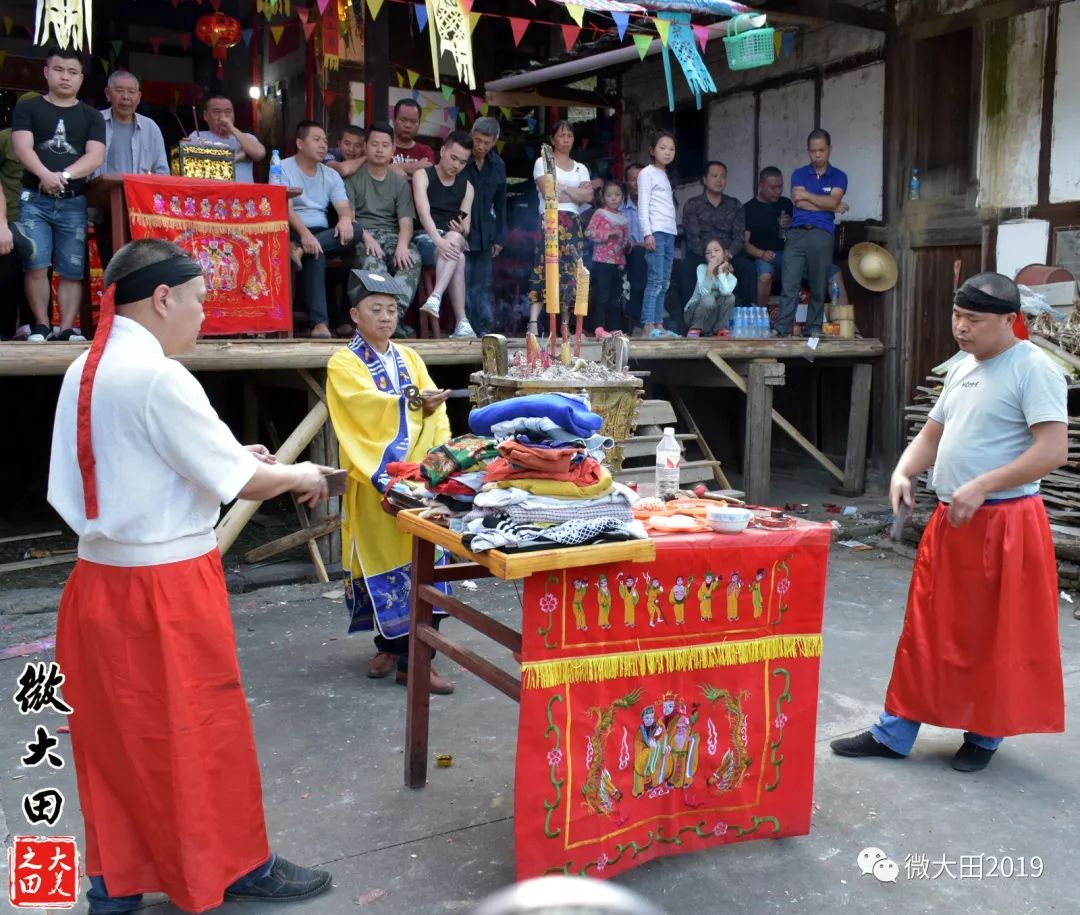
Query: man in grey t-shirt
x=384, y=206
x=979, y=649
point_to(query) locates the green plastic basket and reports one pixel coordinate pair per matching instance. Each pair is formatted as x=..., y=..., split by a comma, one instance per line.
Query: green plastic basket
x=746, y=50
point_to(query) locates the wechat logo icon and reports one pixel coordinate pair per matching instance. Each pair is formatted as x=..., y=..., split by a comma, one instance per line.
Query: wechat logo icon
x=874, y=861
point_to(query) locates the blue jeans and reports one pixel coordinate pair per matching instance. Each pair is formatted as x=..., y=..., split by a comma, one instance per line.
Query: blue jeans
x=50, y=227
x=659, y=263
x=478, y=297
x=899, y=734
x=101, y=903
x=313, y=272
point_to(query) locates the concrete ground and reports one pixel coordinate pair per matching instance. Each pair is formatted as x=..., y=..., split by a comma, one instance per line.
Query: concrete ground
x=331, y=740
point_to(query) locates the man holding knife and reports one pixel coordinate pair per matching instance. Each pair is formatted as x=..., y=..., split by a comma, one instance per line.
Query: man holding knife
x=385, y=408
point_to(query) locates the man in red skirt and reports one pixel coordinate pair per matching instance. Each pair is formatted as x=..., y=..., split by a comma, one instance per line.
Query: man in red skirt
x=979, y=649
x=164, y=750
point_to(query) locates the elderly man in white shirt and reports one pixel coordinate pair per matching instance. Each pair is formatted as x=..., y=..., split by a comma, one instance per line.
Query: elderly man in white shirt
x=164, y=751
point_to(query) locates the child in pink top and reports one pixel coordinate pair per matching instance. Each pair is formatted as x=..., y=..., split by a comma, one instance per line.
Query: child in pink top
x=609, y=230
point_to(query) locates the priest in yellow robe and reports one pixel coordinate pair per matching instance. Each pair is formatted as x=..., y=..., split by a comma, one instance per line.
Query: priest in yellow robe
x=385, y=408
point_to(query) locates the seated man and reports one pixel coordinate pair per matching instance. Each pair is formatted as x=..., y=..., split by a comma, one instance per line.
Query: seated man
x=383, y=204
x=366, y=392
x=350, y=153
x=768, y=216
x=221, y=119
x=444, y=199
x=311, y=239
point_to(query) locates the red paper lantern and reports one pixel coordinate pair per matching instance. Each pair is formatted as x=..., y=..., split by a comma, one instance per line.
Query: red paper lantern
x=221, y=32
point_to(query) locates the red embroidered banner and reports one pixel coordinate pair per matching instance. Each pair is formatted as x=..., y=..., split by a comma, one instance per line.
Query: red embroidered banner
x=239, y=234
x=669, y=706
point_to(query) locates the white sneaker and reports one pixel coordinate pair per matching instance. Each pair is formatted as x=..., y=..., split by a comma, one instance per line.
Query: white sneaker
x=463, y=329
x=432, y=305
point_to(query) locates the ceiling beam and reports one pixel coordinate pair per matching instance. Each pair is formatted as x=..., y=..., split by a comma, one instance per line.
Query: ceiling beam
x=830, y=10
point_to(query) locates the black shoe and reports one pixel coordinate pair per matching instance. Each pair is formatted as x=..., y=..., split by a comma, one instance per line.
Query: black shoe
x=286, y=882
x=863, y=744
x=69, y=335
x=39, y=333
x=972, y=758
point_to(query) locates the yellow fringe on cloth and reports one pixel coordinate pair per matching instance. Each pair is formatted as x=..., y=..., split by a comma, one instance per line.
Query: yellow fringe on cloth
x=595, y=669
x=153, y=220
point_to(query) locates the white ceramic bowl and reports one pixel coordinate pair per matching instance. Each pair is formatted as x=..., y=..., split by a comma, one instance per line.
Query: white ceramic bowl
x=728, y=520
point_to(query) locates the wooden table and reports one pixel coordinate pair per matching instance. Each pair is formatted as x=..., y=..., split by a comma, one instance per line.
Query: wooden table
x=668, y=691
x=493, y=563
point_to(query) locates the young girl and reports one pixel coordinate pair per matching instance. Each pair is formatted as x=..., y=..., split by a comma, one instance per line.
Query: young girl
x=709, y=307
x=609, y=231
x=656, y=211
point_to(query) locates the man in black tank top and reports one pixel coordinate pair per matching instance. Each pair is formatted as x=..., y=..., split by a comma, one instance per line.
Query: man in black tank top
x=444, y=199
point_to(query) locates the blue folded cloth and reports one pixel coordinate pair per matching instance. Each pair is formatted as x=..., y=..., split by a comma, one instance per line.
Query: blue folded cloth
x=566, y=412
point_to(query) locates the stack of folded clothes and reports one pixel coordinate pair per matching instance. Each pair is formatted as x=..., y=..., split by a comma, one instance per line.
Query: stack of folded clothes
x=547, y=487
x=450, y=475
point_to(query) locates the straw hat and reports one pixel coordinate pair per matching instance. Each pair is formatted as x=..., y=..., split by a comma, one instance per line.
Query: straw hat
x=872, y=266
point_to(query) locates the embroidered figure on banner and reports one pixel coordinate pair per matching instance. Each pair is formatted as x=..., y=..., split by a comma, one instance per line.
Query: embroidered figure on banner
x=705, y=593
x=629, y=593
x=736, y=761
x=755, y=592
x=734, y=589
x=653, y=592
x=581, y=588
x=603, y=602
x=677, y=596
x=599, y=790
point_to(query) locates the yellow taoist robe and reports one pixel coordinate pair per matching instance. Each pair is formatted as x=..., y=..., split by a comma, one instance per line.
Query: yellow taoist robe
x=375, y=427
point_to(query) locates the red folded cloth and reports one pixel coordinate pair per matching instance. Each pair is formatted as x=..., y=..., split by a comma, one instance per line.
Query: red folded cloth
x=544, y=460
x=403, y=470
x=587, y=473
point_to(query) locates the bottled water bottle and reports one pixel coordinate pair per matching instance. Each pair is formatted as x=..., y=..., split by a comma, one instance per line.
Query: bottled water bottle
x=915, y=185
x=275, y=168
x=762, y=327
x=834, y=289
x=668, y=458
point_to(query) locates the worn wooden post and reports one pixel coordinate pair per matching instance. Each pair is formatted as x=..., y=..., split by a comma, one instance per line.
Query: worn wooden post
x=418, y=703
x=858, y=426
x=757, y=450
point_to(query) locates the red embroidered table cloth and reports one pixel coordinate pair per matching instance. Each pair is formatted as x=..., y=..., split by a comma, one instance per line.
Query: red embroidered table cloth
x=669, y=706
x=239, y=233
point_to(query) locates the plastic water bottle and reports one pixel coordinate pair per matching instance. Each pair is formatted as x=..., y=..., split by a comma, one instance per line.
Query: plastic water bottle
x=914, y=185
x=276, y=177
x=834, y=289
x=762, y=321
x=740, y=322
x=668, y=459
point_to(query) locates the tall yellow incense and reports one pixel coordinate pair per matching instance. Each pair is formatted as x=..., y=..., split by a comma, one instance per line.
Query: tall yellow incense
x=581, y=304
x=551, y=239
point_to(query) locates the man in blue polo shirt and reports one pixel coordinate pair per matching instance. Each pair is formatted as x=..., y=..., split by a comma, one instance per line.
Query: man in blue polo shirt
x=817, y=190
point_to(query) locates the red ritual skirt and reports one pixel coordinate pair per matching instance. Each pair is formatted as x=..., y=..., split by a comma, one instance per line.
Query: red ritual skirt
x=161, y=734
x=979, y=650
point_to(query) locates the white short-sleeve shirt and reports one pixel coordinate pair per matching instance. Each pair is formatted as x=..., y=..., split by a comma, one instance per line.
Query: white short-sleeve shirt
x=564, y=180
x=164, y=460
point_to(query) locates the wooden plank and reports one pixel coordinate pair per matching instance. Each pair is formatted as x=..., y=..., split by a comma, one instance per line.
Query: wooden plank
x=655, y=413
x=1052, y=347
x=520, y=565
x=470, y=660
x=799, y=438
x=690, y=472
x=242, y=511
x=645, y=445
x=858, y=425
x=460, y=571
x=20, y=537
x=217, y=355
x=418, y=696
x=688, y=418
x=57, y=559
x=473, y=618
x=293, y=540
x=757, y=447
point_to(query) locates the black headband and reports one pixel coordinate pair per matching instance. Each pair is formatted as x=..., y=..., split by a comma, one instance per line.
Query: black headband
x=140, y=284
x=976, y=300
